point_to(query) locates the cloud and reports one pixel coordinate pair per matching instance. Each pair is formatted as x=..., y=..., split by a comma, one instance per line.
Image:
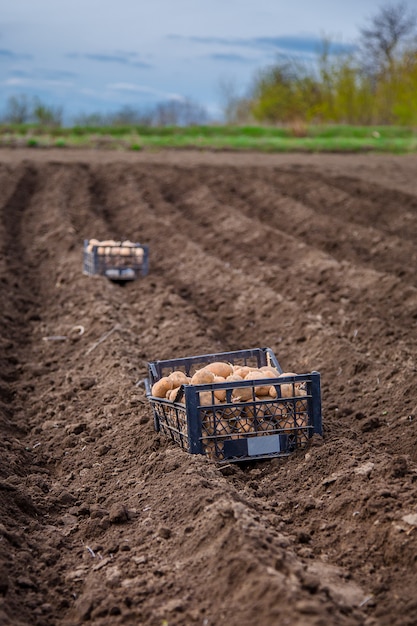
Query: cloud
x=144, y=90
x=19, y=77
x=209, y=40
x=19, y=73
x=9, y=55
x=233, y=58
x=56, y=74
x=286, y=43
x=297, y=43
x=17, y=81
x=123, y=58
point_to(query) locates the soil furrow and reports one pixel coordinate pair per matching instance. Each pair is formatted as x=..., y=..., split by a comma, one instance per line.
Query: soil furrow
x=103, y=519
x=281, y=203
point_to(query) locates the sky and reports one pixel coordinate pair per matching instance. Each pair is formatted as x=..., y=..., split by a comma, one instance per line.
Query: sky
x=101, y=55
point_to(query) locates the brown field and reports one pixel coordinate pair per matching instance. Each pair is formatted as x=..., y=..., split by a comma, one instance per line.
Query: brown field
x=104, y=521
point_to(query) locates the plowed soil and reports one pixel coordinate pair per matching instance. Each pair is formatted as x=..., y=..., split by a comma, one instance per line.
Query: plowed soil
x=105, y=521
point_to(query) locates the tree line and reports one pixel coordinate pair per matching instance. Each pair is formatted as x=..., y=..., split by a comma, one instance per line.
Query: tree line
x=375, y=83
x=24, y=110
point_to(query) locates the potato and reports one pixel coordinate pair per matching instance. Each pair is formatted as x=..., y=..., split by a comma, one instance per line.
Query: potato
x=271, y=370
x=202, y=377
x=161, y=387
x=179, y=378
x=259, y=410
x=229, y=379
x=220, y=368
x=207, y=423
x=234, y=377
x=206, y=398
x=215, y=424
x=301, y=406
x=213, y=448
x=242, y=394
x=223, y=427
x=287, y=388
x=298, y=415
x=289, y=419
x=243, y=425
x=243, y=370
x=172, y=394
x=266, y=425
x=220, y=393
x=209, y=448
x=260, y=390
x=231, y=412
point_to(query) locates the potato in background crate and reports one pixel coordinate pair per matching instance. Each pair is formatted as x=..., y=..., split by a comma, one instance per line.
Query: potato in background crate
x=254, y=410
x=116, y=260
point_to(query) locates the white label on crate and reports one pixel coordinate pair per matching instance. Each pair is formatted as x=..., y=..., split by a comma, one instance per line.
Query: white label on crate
x=120, y=273
x=263, y=445
x=112, y=273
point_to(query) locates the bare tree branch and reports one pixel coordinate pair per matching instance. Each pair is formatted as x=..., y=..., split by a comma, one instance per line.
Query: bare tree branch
x=389, y=30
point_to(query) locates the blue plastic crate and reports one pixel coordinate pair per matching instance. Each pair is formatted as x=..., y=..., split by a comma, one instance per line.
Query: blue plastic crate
x=115, y=261
x=260, y=427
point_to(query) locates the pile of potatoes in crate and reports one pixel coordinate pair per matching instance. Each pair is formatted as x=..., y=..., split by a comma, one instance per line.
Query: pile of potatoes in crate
x=239, y=420
x=117, y=252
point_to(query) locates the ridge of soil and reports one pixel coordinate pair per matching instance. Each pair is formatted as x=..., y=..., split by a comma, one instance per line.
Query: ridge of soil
x=105, y=521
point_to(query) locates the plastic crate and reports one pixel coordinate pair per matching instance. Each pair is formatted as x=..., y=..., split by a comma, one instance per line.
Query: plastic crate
x=261, y=427
x=116, y=261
